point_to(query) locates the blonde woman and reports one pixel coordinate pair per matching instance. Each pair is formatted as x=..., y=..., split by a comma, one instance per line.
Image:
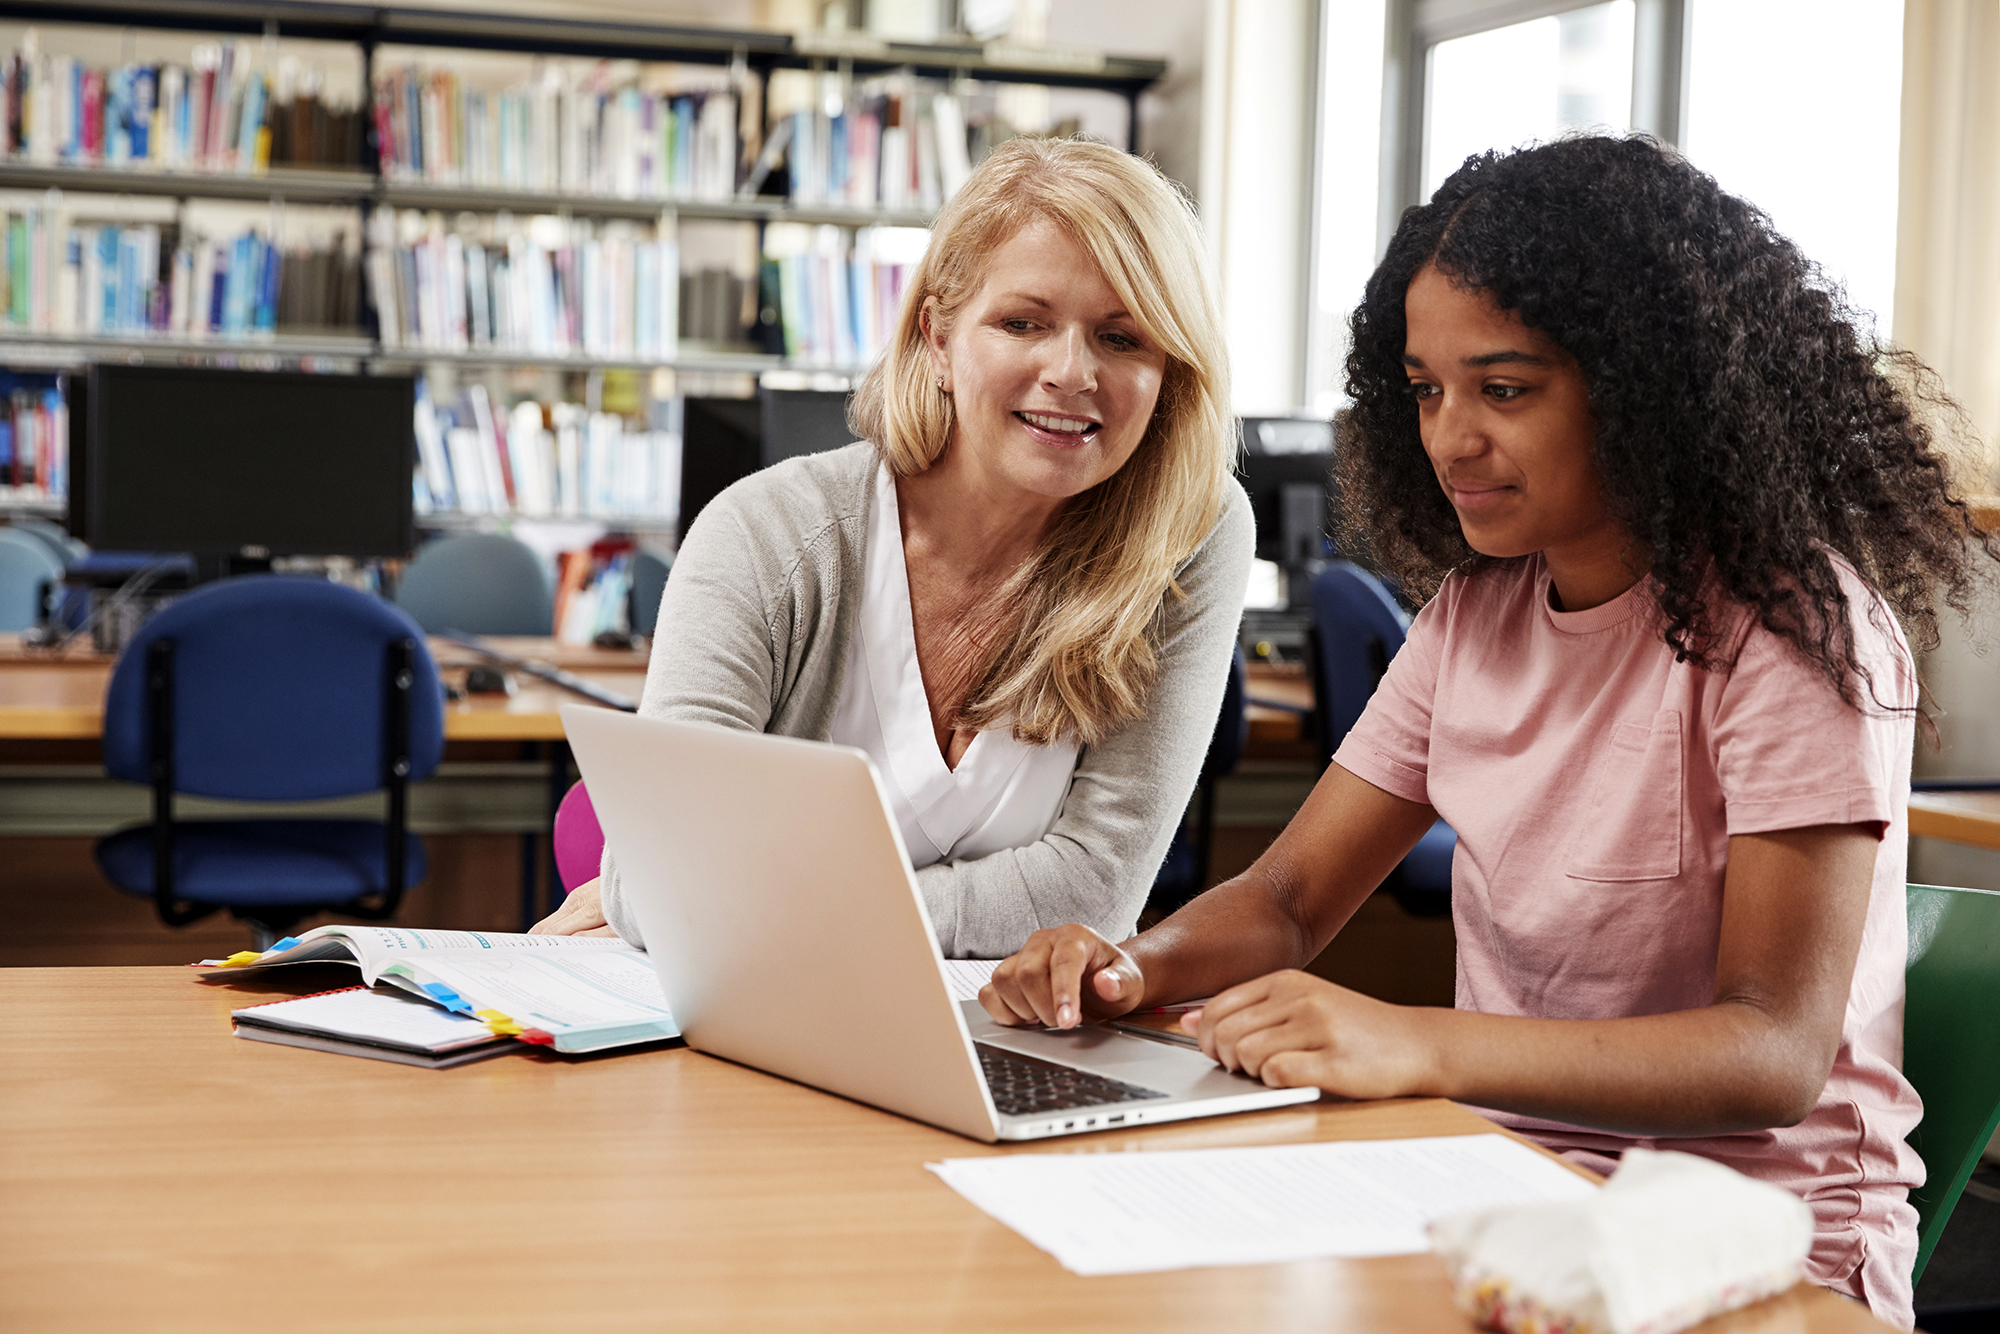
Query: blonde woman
x=1019, y=593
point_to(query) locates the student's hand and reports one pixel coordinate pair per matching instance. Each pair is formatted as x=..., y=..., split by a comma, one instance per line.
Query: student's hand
x=1061, y=977
x=1294, y=1030
x=581, y=914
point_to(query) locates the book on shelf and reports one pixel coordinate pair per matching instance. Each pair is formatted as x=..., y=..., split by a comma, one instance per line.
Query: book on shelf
x=593, y=597
x=541, y=460
x=896, y=143
x=382, y=1023
x=572, y=993
x=561, y=287
x=222, y=111
x=34, y=443
x=835, y=293
x=67, y=276
x=602, y=134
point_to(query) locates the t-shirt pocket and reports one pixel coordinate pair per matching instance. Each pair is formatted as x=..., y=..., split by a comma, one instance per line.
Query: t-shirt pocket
x=1631, y=822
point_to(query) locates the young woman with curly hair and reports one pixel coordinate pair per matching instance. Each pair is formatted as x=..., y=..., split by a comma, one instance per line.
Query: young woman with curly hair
x=1670, y=508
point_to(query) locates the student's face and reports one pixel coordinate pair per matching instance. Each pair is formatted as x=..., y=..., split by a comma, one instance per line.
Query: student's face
x=1052, y=381
x=1505, y=418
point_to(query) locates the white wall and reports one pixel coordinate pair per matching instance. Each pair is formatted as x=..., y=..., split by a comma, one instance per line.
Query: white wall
x=1256, y=179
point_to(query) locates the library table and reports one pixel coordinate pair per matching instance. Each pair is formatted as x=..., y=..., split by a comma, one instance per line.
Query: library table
x=62, y=698
x=1957, y=817
x=160, y=1174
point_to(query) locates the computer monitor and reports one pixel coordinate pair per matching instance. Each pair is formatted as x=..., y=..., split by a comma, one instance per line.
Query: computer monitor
x=1287, y=468
x=243, y=465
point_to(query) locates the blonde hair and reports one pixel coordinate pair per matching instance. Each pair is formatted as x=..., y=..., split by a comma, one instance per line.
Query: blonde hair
x=1074, y=651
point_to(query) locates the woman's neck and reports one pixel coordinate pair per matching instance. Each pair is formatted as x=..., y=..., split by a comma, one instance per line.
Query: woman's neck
x=964, y=524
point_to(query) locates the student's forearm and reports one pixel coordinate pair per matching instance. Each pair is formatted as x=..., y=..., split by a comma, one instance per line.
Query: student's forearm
x=1281, y=912
x=1727, y=1067
x=1239, y=930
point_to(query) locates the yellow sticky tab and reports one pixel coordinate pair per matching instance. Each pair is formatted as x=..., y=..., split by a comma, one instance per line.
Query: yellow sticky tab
x=501, y=1025
x=241, y=957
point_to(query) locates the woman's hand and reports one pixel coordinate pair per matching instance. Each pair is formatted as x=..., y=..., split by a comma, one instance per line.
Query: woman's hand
x=581, y=914
x=1293, y=1030
x=1061, y=977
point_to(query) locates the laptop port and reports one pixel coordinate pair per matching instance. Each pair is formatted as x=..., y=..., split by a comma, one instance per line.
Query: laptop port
x=1114, y=1120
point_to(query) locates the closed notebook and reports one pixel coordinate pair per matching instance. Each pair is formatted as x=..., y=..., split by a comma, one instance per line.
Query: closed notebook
x=382, y=1023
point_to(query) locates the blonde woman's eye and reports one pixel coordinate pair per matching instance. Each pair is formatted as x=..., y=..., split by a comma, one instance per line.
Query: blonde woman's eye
x=1017, y=326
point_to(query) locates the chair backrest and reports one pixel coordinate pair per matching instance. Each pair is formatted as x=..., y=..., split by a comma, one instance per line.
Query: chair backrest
x=52, y=535
x=1356, y=629
x=481, y=584
x=280, y=692
x=1232, y=726
x=1951, y=1043
x=27, y=565
x=578, y=839
x=649, y=585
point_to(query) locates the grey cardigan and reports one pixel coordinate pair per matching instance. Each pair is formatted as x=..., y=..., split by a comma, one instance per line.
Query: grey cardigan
x=754, y=633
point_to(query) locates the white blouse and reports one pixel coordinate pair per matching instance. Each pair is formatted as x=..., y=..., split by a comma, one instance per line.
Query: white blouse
x=1004, y=794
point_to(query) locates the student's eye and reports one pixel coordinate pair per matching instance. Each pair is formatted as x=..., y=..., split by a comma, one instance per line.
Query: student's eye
x=1422, y=391
x=1505, y=393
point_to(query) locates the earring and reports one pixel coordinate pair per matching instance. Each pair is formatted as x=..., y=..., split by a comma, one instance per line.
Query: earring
x=940, y=384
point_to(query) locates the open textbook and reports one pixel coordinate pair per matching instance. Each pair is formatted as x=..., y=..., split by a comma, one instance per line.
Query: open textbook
x=573, y=993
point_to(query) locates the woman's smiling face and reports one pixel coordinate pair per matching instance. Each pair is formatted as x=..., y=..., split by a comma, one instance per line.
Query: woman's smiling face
x=1053, y=383
x=1505, y=418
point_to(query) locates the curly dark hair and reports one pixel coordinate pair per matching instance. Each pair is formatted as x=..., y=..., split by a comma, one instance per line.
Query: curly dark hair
x=1745, y=424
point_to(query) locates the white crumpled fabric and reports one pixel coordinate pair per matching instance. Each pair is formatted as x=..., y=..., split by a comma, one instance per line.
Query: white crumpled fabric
x=1671, y=1240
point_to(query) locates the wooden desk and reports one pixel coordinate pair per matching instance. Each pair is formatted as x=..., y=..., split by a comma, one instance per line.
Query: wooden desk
x=1957, y=817
x=159, y=1174
x=43, y=698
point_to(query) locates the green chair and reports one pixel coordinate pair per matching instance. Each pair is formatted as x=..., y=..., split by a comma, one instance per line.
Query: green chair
x=1951, y=1044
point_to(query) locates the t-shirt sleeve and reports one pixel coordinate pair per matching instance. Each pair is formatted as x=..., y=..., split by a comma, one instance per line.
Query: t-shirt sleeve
x=1791, y=753
x=1390, y=745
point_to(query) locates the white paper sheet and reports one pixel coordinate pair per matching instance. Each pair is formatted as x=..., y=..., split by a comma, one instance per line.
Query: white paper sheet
x=966, y=976
x=1126, y=1213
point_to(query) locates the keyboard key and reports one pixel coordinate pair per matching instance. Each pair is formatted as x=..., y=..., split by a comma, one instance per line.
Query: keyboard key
x=1027, y=1086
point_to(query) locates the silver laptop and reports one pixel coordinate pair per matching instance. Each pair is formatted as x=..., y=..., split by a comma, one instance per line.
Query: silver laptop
x=780, y=911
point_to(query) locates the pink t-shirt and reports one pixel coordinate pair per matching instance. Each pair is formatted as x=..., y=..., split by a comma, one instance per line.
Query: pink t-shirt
x=1595, y=783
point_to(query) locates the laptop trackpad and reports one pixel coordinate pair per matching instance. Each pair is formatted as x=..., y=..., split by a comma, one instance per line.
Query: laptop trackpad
x=1175, y=1071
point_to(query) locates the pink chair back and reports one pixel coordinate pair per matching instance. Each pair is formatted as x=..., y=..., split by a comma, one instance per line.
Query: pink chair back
x=579, y=840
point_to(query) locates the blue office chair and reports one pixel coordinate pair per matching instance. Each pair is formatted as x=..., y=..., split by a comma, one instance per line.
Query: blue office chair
x=1185, y=871
x=268, y=688
x=1356, y=628
x=649, y=585
x=29, y=570
x=479, y=584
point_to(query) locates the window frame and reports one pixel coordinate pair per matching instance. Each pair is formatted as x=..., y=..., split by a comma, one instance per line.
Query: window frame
x=1412, y=28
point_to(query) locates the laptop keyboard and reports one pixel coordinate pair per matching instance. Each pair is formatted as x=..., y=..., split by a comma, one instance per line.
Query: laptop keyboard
x=1026, y=1086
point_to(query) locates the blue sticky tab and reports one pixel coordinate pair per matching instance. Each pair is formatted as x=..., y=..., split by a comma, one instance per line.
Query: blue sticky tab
x=446, y=997
x=284, y=944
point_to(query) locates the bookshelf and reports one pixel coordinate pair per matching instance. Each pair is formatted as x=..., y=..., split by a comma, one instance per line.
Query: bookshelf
x=812, y=229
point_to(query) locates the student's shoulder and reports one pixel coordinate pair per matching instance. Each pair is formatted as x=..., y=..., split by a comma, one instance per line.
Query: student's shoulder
x=1484, y=592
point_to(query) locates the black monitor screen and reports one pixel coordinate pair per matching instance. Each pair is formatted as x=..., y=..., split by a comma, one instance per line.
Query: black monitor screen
x=257, y=462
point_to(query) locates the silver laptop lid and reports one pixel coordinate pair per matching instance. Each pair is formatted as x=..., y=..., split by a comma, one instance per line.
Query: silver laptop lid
x=772, y=853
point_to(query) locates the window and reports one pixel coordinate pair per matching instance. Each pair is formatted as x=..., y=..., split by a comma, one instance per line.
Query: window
x=1526, y=82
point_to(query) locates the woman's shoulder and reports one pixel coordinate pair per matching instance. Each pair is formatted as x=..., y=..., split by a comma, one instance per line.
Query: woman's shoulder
x=809, y=490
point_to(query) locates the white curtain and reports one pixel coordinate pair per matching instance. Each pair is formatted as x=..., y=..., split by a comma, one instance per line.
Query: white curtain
x=1948, y=213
